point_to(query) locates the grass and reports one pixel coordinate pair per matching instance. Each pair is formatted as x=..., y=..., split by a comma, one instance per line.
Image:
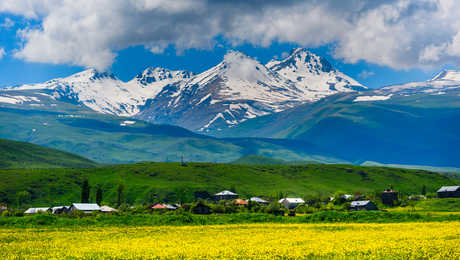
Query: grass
x=448, y=205
x=153, y=182
x=25, y=155
x=130, y=220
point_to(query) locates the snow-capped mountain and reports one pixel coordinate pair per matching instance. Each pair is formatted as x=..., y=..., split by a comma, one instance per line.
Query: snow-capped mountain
x=441, y=84
x=314, y=75
x=105, y=93
x=235, y=90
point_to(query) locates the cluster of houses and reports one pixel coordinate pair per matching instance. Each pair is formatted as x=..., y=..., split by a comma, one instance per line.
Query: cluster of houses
x=80, y=207
x=389, y=197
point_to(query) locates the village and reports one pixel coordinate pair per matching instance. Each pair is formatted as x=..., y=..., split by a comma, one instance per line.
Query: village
x=230, y=202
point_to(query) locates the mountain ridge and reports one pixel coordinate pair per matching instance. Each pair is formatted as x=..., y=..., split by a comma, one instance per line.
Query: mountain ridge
x=233, y=91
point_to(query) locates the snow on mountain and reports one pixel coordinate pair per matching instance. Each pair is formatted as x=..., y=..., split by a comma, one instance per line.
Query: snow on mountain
x=234, y=90
x=444, y=81
x=441, y=84
x=314, y=75
x=105, y=93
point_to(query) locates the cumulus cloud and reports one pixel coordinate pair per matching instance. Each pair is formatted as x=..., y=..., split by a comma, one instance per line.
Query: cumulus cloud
x=401, y=34
x=2, y=53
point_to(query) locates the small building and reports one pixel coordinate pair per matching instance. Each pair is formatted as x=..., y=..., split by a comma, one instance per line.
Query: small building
x=259, y=200
x=389, y=197
x=36, y=210
x=59, y=209
x=85, y=207
x=158, y=206
x=363, y=205
x=3, y=207
x=449, y=192
x=201, y=209
x=107, y=209
x=291, y=203
x=164, y=206
x=241, y=202
x=225, y=195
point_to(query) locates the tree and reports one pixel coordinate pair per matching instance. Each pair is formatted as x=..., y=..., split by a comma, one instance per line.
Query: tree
x=85, y=190
x=98, y=194
x=423, y=190
x=233, y=189
x=120, y=191
x=23, y=197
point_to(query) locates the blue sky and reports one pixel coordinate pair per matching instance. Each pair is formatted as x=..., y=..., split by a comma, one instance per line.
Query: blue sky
x=49, y=39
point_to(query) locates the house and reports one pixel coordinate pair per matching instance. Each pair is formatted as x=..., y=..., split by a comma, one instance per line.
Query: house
x=389, y=197
x=3, y=207
x=225, y=195
x=35, y=210
x=291, y=203
x=158, y=206
x=107, y=209
x=241, y=202
x=449, y=192
x=259, y=200
x=170, y=207
x=85, y=207
x=362, y=205
x=164, y=206
x=201, y=208
x=344, y=197
x=59, y=209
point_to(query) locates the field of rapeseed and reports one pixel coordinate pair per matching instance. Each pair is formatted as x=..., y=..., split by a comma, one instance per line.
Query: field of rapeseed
x=436, y=240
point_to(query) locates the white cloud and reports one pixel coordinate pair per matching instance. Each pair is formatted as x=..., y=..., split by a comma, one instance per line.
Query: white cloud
x=2, y=53
x=7, y=23
x=400, y=34
x=366, y=74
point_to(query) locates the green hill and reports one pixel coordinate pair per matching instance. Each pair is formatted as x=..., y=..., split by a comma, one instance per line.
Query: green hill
x=259, y=160
x=25, y=155
x=253, y=159
x=153, y=182
x=413, y=130
x=108, y=139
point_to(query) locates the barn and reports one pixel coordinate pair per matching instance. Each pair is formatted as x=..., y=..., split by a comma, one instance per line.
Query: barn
x=362, y=205
x=449, y=192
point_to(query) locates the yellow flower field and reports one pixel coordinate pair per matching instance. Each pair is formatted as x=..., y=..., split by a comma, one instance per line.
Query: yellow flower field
x=260, y=241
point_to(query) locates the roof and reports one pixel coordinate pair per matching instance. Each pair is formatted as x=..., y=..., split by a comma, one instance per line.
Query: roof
x=449, y=188
x=389, y=191
x=225, y=192
x=158, y=206
x=169, y=206
x=54, y=209
x=35, y=210
x=359, y=203
x=86, y=206
x=241, y=202
x=292, y=200
x=107, y=209
x=258, y=200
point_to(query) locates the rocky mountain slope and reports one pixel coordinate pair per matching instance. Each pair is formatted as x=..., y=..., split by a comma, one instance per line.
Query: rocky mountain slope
x=235, y=90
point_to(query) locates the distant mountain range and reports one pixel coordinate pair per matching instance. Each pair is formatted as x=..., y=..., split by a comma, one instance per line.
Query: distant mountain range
x=296, y=109
x=235, y=90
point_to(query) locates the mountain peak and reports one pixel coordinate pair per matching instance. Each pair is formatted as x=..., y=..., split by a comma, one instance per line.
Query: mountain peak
x=234, y=56
x=156, y=74
x=450, y=75
x=93, y=74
